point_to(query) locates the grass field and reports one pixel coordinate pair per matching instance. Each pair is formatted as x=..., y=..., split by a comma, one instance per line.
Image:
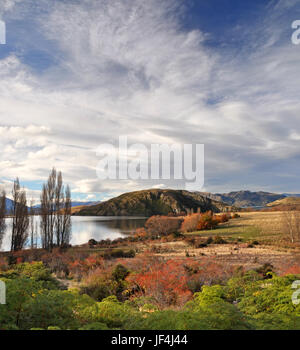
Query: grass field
x=264, y=226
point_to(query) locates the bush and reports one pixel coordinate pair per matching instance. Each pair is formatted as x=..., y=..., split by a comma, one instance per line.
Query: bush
x=164, y=282
x=190, y=223
x=120, y=253
x=96, y=326
x=219, y=240
x=207, y=222
x=120, y=273
x=162, y=225
x=92, y=242
x=265, y=270
x=222, y=218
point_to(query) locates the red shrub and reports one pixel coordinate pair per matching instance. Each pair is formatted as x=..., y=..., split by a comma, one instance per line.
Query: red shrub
x=165, y=282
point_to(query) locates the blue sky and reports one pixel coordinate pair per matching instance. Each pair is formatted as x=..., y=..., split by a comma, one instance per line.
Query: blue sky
x=77, y=74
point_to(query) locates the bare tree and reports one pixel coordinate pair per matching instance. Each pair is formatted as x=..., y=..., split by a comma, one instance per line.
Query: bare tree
x=66, y=216
x=59, y=203
x=20, y=217
x=48, y=211
x=32, y=226
x=291, y=224
x=55, y=212
x=2, y=215
x=44, y=222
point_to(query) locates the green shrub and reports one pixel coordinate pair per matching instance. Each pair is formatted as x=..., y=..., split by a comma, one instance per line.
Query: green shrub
x=120, y=272
x=96, y=326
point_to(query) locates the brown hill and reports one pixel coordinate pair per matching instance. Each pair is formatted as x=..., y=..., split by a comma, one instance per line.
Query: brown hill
x=154, y=202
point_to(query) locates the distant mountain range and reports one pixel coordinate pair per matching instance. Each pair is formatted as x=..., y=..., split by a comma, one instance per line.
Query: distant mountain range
x=74, y=204
x=9, y=204
x=245, y=199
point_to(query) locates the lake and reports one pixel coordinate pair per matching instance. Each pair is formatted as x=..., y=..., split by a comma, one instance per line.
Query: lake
x=87, y=227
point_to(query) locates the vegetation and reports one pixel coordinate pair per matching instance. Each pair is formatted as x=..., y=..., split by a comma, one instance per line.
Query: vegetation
x=20, y=217
x=55, y=212
x=148, y=296
x=2, y=215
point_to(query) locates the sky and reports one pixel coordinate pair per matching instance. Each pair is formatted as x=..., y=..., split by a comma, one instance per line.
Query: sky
x=77, y=74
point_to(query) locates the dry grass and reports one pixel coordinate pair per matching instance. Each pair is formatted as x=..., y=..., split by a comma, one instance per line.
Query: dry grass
x=229, y=254
x=263, y=226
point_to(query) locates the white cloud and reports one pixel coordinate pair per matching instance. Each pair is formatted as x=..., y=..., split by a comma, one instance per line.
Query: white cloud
x=128, y=68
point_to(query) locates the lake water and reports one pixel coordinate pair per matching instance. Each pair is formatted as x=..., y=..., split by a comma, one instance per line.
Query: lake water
x=87, y=227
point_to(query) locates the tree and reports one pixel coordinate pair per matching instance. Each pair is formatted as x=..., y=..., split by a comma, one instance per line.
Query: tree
x=190, y=223
x=32, y=226
x=55, y=212
x=2, y=215
x=64, y=233
x=20, y=219
x=291, y=224
x=162, y=225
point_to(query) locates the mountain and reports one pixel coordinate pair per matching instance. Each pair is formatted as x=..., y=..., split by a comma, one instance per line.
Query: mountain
x=74, y=204
x=9, y=204
x=291, y=194
x=245, y=198
x=153, y=202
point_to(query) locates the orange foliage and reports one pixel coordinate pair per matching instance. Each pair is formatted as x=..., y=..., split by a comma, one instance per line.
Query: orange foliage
x=291, y=270
x=190, y=223
x=80, y=267
x=207, y=221
x=162, y=225
x=165, y=282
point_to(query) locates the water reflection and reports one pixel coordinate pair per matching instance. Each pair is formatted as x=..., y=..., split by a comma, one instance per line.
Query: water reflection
x=87, y=227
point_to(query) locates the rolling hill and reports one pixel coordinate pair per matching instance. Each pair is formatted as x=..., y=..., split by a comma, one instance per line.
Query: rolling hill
x=154, y=202
x=288, y=201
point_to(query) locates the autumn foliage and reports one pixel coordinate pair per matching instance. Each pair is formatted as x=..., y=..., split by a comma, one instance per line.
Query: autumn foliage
x=204, y=221
x=165, y=282
x=162, y=225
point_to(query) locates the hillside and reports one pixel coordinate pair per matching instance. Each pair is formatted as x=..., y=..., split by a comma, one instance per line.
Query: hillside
x=153, y=202
x=288, y=201
x=245, y=198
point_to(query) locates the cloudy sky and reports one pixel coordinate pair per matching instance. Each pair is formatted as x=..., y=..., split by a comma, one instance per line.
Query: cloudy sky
x=77, y=74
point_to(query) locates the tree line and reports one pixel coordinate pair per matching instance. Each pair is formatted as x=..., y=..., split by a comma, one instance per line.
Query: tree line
x=54, y=212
